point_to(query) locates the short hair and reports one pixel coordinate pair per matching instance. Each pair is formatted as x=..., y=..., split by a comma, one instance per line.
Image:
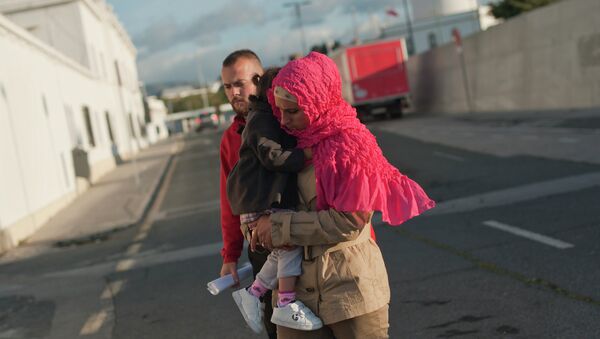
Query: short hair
x=234, y=56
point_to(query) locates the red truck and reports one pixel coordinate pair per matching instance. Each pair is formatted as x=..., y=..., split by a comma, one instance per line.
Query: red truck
x=374, y=77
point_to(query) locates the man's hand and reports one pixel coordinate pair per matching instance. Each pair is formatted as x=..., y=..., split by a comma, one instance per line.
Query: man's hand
x=231, y=268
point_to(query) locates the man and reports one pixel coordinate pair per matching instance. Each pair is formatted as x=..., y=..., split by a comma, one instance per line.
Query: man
x=238, y=75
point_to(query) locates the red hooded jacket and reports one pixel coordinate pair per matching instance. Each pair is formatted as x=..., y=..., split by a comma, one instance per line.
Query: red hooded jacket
x=233, y=240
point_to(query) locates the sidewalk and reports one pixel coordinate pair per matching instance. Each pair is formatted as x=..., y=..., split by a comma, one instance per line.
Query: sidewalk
x=571, y=136
x=115, y=202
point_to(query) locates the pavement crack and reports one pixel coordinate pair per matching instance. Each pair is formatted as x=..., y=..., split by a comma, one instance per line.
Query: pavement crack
x=437, y=275
x=463, y=319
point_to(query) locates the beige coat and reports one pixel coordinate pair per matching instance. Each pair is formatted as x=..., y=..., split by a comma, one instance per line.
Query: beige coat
x=343, y=273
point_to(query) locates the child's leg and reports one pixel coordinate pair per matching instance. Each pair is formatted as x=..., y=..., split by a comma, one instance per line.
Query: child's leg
x=289, y=267
x=266, y=279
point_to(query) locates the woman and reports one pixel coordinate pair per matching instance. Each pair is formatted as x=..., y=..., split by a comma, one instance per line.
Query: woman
x=344, y=280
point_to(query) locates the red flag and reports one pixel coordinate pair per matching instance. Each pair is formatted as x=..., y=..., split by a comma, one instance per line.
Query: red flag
x=391, y=11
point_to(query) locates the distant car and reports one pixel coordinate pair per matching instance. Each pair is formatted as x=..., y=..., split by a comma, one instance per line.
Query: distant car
x=206, y=120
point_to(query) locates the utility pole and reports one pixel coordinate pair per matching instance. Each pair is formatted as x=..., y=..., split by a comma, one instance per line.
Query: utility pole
x=203, y=85
x=356, y=40
x=411, y=39
x=297, y=7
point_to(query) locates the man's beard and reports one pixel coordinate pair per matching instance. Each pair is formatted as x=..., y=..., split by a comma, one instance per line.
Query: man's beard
x=240, y=107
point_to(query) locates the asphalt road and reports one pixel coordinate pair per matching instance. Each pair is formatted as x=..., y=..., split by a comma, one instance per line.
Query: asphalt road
x=513, y=253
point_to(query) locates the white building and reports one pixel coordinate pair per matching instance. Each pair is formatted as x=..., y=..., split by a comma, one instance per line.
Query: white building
x=68, y=83
x=434, y=20
x=157, y=128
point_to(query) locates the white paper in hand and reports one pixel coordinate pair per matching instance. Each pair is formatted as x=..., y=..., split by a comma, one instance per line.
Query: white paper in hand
x=218, y=285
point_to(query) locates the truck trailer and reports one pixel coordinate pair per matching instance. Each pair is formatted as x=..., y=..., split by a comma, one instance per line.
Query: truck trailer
x=374, y=77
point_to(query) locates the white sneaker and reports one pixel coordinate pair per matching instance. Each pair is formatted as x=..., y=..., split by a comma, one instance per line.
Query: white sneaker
x=251, y=308
x=297, y=316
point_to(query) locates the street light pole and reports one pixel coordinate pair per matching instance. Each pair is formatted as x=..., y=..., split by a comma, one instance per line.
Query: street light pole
x=297, y=7
x=411, y=38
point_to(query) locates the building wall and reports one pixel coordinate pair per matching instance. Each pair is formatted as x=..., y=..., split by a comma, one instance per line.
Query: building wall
x=157, y=128
x=55, y=25
x=545, y=59
x=43, y=95
x=432, y=32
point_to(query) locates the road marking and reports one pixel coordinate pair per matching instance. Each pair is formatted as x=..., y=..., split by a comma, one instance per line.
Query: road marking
x=124, y=265
x=187, y=210
x=517, y=194
x=140, y=236
x=94, y=322
x=134, y=248
x=448, y=156
x=528, y=234
x=207, y=205
x=143, y=259
x=112, y=289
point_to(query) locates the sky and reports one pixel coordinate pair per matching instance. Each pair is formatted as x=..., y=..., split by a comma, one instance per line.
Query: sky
x=186, y=40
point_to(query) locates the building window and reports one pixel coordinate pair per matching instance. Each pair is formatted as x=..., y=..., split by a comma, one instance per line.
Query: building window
x=142, y=128
x=131, y=128
x=88, y=126
x=109, y=127
x=432, y=40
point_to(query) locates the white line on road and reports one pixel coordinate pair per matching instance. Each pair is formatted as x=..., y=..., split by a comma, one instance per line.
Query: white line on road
x=94, y=323
x=112, y=289
x=528, y=234
x=143, y=259
x=134, y=248
x=448, y=156
x=187, y=210
x=517, y=194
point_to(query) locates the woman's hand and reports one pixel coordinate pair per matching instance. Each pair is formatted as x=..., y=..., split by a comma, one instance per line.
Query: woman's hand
x=262, y=234
x=308, y=153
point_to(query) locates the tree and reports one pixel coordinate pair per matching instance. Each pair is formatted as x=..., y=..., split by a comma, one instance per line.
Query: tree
x=509, y=8
x=193, y=102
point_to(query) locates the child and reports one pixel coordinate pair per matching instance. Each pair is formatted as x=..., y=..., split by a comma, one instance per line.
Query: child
x=264, y=181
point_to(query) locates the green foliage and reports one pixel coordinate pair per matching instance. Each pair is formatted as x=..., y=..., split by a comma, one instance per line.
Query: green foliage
x=509, y=8
x=195, y=101
x=322, y=48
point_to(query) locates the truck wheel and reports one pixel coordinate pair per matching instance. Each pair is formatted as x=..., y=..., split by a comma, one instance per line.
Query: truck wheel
x=395, y=110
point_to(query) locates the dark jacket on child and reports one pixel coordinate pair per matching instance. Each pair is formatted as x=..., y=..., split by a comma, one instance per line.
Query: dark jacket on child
x=266, y=174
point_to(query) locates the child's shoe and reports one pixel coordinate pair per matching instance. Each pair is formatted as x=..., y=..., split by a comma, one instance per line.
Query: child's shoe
x=297, y=316
x=251, y=308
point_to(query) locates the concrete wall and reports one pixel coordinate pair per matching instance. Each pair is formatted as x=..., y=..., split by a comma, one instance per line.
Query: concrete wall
x=43, y=93
x=546, y=59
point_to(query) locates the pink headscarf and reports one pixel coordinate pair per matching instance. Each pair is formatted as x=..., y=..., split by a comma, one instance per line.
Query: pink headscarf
x=351, y=172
